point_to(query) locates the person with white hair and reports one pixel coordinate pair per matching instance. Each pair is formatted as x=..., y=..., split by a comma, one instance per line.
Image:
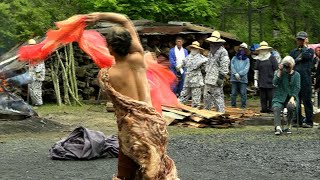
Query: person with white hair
x=37, y=72
x=286, y=95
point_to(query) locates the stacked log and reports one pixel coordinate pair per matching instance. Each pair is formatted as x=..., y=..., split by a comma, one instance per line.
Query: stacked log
x=186, y=116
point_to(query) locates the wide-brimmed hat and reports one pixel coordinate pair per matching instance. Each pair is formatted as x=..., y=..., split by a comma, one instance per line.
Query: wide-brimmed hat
x=302, y=35
x=264, y=45
x=196, y=45
x=215, y=37
x=32, y=42
x=244, y=46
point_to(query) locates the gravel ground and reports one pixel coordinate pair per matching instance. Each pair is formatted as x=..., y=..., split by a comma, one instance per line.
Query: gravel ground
x=241, y=153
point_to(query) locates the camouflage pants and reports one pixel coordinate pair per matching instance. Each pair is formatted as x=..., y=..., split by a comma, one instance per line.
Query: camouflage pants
x=193, y=92
x=35, y=92
x=213, y=95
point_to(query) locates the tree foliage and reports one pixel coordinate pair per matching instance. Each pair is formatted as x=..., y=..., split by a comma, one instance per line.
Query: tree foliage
x=23, y=19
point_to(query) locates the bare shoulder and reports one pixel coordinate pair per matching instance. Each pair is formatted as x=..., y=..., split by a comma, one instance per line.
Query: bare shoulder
x=136, y=59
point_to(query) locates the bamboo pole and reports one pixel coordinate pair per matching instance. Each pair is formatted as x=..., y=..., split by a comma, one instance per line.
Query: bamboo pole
x=66, y=82
x=72, y=74
x=68, y=65
x=55, y=79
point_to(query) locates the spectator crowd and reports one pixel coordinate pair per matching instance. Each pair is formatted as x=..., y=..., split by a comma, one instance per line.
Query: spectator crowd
x=202, y=75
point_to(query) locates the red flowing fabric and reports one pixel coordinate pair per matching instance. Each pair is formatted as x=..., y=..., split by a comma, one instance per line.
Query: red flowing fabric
x=95, y=45
x=70, y=30
x=160, y=81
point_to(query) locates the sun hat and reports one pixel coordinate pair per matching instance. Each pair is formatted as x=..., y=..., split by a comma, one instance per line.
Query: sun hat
x=32, y=42
x=196, y=45
x=244, y=46
x=215, y=37
x=302, y=35
x=263, y=45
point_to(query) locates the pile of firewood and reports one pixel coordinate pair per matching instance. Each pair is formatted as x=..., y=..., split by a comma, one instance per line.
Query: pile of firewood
x=186, y=116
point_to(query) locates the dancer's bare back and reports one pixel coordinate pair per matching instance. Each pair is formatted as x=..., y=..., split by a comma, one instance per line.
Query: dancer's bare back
x=129, y=78
x=128, y=75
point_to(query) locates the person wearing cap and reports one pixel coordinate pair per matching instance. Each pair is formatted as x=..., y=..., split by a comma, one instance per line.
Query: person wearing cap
x=37, y=72
x=217, y=68
x=193, y=83
x=266, y=65
x=240, y=65
x=303, y=57
x=287, y=88
x=176, y=56
x=253, y=54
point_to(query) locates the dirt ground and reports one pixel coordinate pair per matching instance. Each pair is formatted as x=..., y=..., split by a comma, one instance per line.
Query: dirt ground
x=250, y=152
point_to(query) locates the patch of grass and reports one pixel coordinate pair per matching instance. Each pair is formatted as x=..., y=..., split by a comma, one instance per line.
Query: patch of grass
x=52, y=108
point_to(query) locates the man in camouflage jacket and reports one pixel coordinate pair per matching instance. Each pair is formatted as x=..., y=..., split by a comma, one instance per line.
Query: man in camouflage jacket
x=217, y=68
x=193, y=83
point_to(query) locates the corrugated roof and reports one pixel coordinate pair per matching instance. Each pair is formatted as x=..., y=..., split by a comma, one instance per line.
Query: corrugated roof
x=147, y=27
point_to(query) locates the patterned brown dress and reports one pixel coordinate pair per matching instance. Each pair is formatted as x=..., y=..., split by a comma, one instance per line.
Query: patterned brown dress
x=143, y=136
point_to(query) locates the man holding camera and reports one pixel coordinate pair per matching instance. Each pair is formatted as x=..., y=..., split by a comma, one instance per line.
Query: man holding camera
x=287, y=87
x=303, y=57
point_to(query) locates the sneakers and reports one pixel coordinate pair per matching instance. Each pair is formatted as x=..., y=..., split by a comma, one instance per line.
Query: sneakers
x=305, y=125
x=278, y=130
x=288, y=131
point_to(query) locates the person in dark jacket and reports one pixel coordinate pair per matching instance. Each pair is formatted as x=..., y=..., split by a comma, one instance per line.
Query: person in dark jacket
x=303, y=57
x=266, y=65
x=287, y=87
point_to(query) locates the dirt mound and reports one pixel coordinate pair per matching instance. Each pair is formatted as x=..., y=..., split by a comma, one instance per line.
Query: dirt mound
x=33, y=124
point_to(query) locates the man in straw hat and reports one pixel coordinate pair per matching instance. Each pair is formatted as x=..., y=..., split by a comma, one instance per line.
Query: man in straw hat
x=176, y=55
x=287, y=88
x=193, y=83
x=303, y=57
x=240, y=65
x=266, y=65
x=37, y=72
x=217, y=68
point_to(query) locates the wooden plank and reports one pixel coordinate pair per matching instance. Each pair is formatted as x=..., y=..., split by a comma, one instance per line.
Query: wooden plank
x=168, y=120
x=172, y=115
x=176, y=111
x=196, y=118
x=204, y=113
